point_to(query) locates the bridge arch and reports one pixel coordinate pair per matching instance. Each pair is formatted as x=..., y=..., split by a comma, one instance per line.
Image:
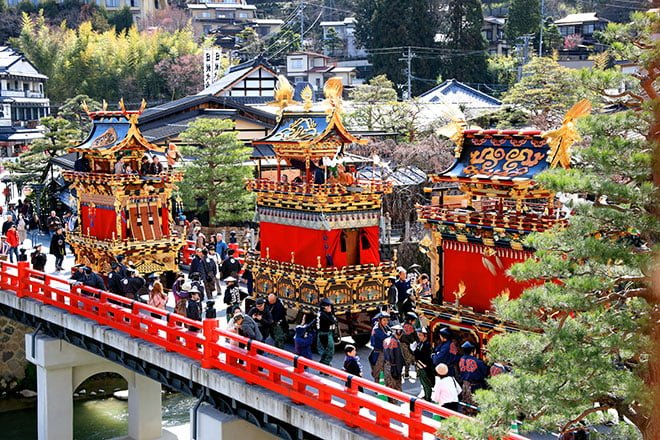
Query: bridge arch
x=85, y=372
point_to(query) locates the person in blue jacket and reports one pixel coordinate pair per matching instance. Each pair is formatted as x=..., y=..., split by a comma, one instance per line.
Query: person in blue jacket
x=473, y=370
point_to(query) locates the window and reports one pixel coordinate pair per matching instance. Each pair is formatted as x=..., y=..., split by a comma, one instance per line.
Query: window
x=243, y=15
x=488, y=35
x=112, y=3
x=297, y=64
x=588, y=29
x=135, y=3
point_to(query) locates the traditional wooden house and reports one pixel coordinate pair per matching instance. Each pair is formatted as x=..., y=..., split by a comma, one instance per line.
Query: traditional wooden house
x=122, y=210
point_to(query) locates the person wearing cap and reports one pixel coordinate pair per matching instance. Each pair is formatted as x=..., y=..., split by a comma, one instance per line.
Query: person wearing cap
x=423, y=362
x=133, y=285
x=123, y=270
x=447, y=351
x=58, y=247
x=408, y=338
x=262, y=317
x=114, y=279
x=232, y=296
x=38, y=258
x=248, y=327
x=393, y=356
x=446, y=389
x=379, y=333
x=473, y=371
x=194, y=306
x=326, y=324
x=92, y=279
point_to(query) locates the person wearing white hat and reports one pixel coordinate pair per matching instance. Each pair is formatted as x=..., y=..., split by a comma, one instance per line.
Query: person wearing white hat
x=446, y=389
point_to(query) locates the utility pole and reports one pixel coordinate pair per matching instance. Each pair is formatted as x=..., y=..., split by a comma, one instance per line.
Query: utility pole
x=409, y=55
x=541, y=31
x=526, y=39
x=302, y=24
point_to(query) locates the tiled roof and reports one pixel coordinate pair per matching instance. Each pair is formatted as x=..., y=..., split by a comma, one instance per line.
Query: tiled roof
x=456, y=92
x=579, y=18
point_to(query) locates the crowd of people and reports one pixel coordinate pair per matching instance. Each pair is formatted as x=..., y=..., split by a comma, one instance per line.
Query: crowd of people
x=447, y=371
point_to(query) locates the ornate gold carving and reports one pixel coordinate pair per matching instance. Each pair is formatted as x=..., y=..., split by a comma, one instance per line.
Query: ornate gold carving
x=561, y=139
x=107, y=138
x=303, y=129
x=516, y=162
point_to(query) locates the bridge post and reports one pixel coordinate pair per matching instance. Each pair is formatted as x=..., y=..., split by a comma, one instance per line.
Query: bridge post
x=144, y=408
x=62, y=367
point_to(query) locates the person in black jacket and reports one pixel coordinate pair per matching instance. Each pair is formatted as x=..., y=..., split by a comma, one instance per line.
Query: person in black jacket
x=115, y=279
x=38, y=258
x=352, y=363
x=92, y=279
x=58, y=247
x=280, y=326
x=262, y=317
x=133, y=285
x=423, y=362
x=327, y=323
x=231, y=266
x=194, y=307
x=197, y=265
x=210, y=271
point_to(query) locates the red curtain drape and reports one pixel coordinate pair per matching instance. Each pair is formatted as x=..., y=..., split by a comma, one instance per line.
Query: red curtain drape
x=281, y=240
x=165, y=217
x=483, y=275
x=369, y=245
x=98, y=220
x=308, y=244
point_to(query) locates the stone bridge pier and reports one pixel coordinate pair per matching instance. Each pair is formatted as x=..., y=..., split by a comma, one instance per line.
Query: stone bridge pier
x=62, y=368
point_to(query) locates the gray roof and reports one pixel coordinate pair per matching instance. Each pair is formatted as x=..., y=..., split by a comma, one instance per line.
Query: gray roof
x=455, y=92
x=403, y=176
x=234, y=74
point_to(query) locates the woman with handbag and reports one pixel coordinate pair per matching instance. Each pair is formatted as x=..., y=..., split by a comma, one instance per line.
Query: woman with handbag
x=446, y=390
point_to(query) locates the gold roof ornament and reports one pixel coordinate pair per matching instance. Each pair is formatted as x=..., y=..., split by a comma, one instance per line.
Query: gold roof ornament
x=307, y=95
x=562, y=139
x=456, y=126
x=283, y=93
x=122, y=107
x=333, y=90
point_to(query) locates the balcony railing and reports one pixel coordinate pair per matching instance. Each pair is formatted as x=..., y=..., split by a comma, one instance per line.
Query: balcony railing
x=21, y=94
x=328, y=189
x=490, y=219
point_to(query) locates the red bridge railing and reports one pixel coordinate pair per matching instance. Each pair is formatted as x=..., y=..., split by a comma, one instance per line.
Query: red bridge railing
x=255, y=362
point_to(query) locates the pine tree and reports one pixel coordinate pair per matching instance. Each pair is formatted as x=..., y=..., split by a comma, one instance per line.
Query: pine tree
x=216, y=173
x=464, y=47
x=386, y=28
x=590, y=359
x=524, y=19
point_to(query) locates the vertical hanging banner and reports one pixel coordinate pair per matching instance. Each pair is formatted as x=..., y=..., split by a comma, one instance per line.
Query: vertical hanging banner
x=212, y=65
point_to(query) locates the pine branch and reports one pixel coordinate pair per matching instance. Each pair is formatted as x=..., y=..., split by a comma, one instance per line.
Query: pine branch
x=582, y=415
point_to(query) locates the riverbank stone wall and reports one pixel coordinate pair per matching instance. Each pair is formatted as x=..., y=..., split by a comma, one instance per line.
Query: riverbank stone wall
x=12, y=353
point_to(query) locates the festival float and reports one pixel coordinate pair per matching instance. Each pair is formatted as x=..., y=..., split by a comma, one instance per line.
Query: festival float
x=476, y=234
x=319, y=240
x=124, y=212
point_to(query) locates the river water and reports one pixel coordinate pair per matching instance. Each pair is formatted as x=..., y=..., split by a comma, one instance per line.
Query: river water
x=100, y=419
